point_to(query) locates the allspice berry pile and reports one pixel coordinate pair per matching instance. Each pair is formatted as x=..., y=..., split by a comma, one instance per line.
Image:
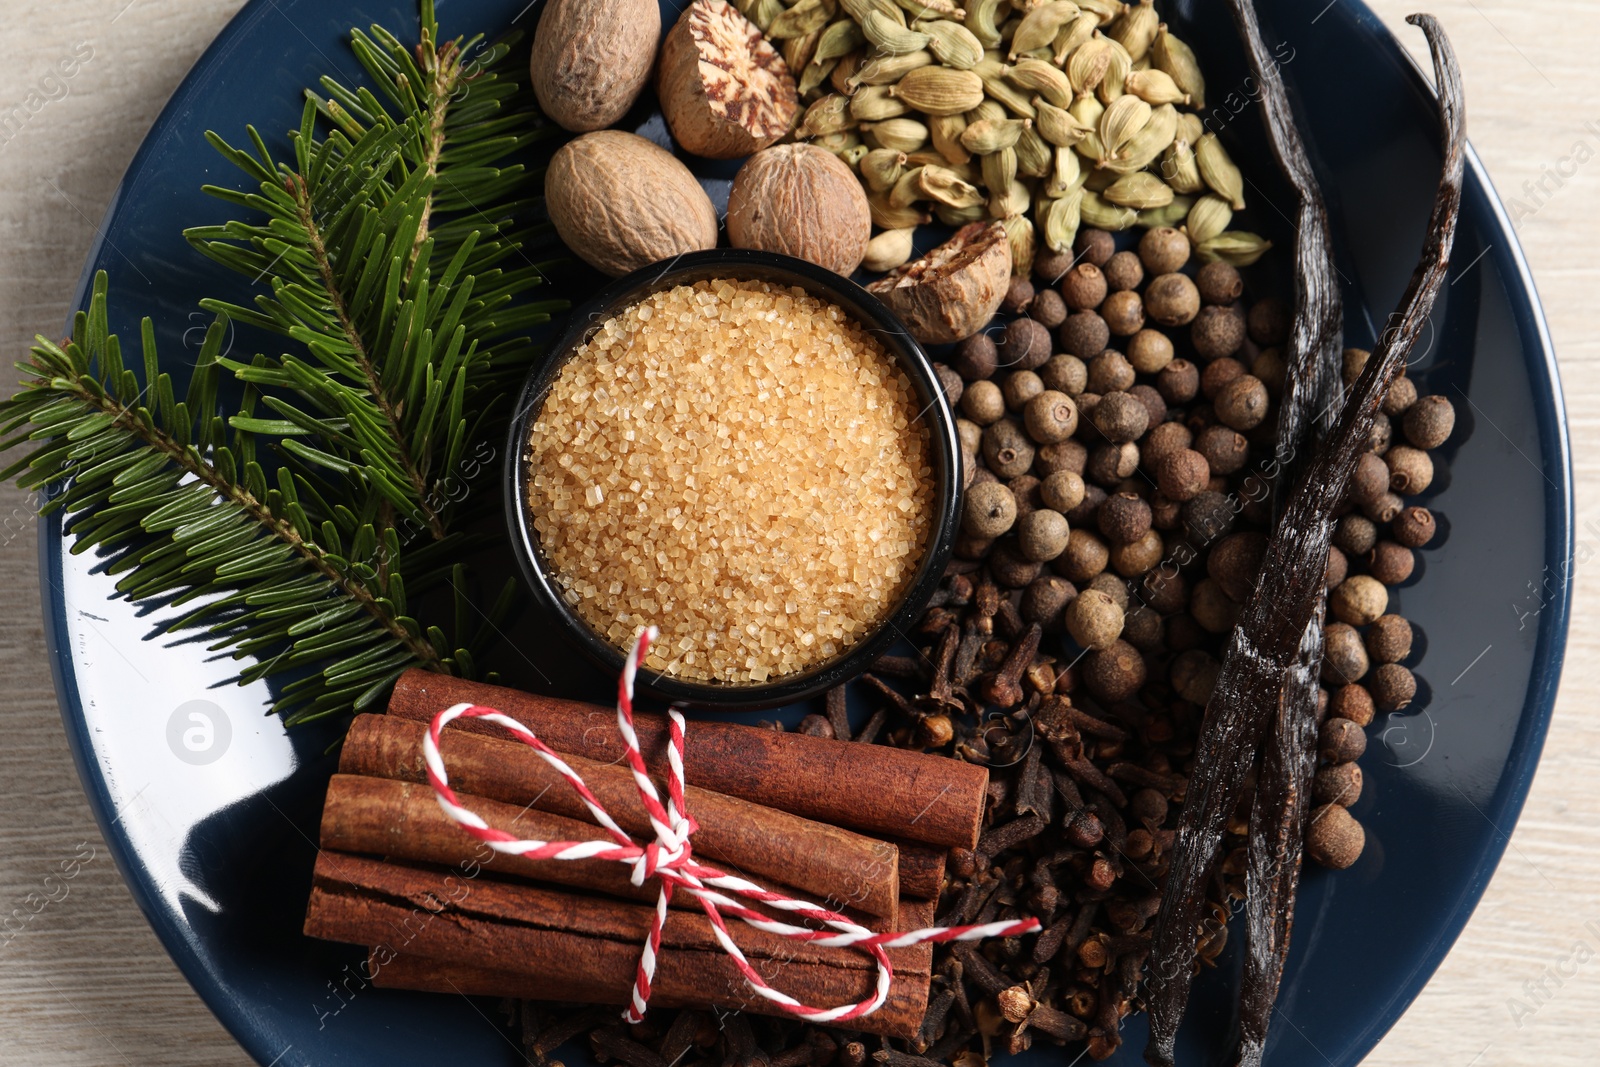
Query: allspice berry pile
x=1118, y=423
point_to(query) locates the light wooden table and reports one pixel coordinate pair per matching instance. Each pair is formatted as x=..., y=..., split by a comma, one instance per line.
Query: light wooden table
x=86, y=982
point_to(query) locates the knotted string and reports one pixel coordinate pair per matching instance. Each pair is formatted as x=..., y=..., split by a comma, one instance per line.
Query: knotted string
x=670, y=859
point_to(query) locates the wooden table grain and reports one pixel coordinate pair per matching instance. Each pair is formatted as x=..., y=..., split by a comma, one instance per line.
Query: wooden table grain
x=85, y=982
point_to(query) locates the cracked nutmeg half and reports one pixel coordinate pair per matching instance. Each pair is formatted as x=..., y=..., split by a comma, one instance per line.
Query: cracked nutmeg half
x=952, y=292
x=725, y=91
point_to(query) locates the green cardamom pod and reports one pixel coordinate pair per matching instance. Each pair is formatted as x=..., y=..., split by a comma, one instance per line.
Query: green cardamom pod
x=1086, y=67
x=1088, y=110
x=929, y=157
x=1190, y=128
x=1059, y=219
x=840, y=79
x=1137, y=28
x=842, y=37
x=807, y=16
x=1044, y=78
x=876, y=103
x=1172, y=215
x=947, y=131
x=1072, y=35
x=1179, y=169
x=761, y=12
x=1040, y=27
x=1153, y=138
x=890, y=37
x=932, y=9
x=1220, y=171
x=999, y=171
x=830, y=114
x=1066, y=173
x=1056, y=124
x=980, y=20
x=797, y=51
x=1233, y=246
x=888, y=250
x=886, y=70
x=1024, y=243
x=1209, y=217
x=1124, y=117
x=860, y=9
x=939, y=90
x=881, y=168
x=1141, y=191
x=990, y=110
x=1034, y=156
x=957, y=217
x=1104, y=10
x=900, y=134
x=1177, y=61
x=905, y=191
x=1099, y=179
x=1117, y=71
x=1155, y=87
x=952, y=43
x=1102, y=214
x=841, y=143
x=886, y=216
x=944, y=186
x=816, y=72
x=991, y=135
x=854, y=154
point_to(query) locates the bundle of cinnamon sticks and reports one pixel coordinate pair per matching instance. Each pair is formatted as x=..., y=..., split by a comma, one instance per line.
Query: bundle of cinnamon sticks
x=862, y=829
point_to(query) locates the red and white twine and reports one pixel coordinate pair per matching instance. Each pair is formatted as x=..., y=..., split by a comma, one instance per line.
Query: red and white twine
x=669, y=858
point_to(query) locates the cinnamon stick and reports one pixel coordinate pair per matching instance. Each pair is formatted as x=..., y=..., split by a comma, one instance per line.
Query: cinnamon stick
x=586, y=947
x=872, y=788
x=829, y=864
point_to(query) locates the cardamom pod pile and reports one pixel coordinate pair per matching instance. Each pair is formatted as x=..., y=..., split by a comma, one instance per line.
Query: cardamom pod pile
x=1043, y=116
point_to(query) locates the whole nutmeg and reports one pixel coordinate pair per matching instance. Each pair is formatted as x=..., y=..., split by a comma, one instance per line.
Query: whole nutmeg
x=1339, y=784
x=1121, y=418
x=1123, y=312
x=977, y=357
x=1084, y=287
x=1358, y=600
x=1164, y=250
x=989, y=510
x=1045, y=600
x=1062, y=490
x=1114, y=674
x=803, y=201
x=1344, y=656
x=1006, y=449
x=1065, y=374
x=621, y=202
x=1334, y=838
x=1355, y=534
x=983, y=402
x=1163, y=438
x=1149, y=351
x=1050, y=417
x=1225, y=449
x=1178, y=382
x=1094, y=246
x=725, y=91
x=1183, y=474
x=1042, y=535
x=1410, y=469
x=1110, y=372
x=1019, y=387
x=1172, y=300
x=1370, y=479
x=1389, y=639
x=952, y=292
x=1093, y=619
x=1399, y=397
x=591, y=60
x=1217, y=332
x=1219, y=283
x=1018, y=294
x=1353, y=702
x=1414, y=527
x=1242, y=403
x=1391, y=563
x=1429, y=422
x=1393, y=687
x=1084, y=334
x=1341, y=741
x=1048, y=309
x=1268, y=322
x=1123, y=272
x=1085, y=556
x=1024, y=344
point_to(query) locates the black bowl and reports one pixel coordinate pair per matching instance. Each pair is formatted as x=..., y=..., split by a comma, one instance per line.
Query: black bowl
x=743, y=265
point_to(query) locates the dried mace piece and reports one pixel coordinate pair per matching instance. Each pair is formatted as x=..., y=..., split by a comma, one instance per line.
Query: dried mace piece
x=1334, y=838
x=591, y=59
x=621, y=202
x=803, y=201
x=725, y=91
x=953, y=291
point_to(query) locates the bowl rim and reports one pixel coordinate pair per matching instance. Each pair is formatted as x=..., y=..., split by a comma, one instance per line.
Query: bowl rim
x=936, y=415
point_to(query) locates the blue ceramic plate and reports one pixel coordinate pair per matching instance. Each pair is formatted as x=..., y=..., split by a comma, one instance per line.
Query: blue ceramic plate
x=217, y=846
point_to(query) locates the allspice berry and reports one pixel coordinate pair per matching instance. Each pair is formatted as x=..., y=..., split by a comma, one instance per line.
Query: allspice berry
x=1010, y=568
x=1225, y=449
x=1389, y=639
x=1019, y=387
x=1050, y=417
x=1355, y=534
x=1084, y=287
x=1025, y=490
x=1359, y=599
x=1110, y=372
x=1121, y=417
x=1393, y=687
x=1183, y=474
x=1208, y=517
x=1123, y=272
x=1153, y=404
x=1194, y=675
x=1178, y=382
x=971, y=435
x=1164, y=250
x=1242, y=403
x=1110, y=463
x=1399, y=397
x=1045, y=600
x=1006, y=449
x=1139, y=555
x=1019, y=292
x=1429, y=422
x=1061, y=491
x=1383, y=508
x=1268, y=322
x=1268, y=366
x=1370, y=480
x=1219, y=283
x=1414, y=527
x=982, y=402
x=1113, y=587
x=1123, y=312
x=1149, y=351
x=1093, y=619
x=976, y=357
x=1094, y=246
x=1235, y=562
x=1217, y=332
x=1410, y=469
x=1048, y=309
x=1391, y=563
x=1164, y=438
x=1382, y=433
x=1085, y=556
x=1042, y=535
x=1353, y=702
x=1218, y=373
x=1070, y=375
x=1338, y=567
x=1025, y=345
x=1341, y=741
x=1124, y=518
x=1334, y=838
x=1172, y=300
x=950, y=383
x=1050, y=267
x=1085, y=334
x=989, y=510
x=1061, y=456
x=1143, y=630
x=1212, y=607
x=1344, y=657
x=1339, y=784
x=1083, y=515
x=1114, y=674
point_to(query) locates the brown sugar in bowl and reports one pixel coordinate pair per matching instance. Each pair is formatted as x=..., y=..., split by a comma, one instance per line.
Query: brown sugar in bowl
x=559, y=561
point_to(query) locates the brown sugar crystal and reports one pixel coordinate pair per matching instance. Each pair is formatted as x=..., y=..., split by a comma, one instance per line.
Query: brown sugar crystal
x=740, y=464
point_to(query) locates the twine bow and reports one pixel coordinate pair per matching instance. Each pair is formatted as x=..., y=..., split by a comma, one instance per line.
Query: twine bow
x=670, y=859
